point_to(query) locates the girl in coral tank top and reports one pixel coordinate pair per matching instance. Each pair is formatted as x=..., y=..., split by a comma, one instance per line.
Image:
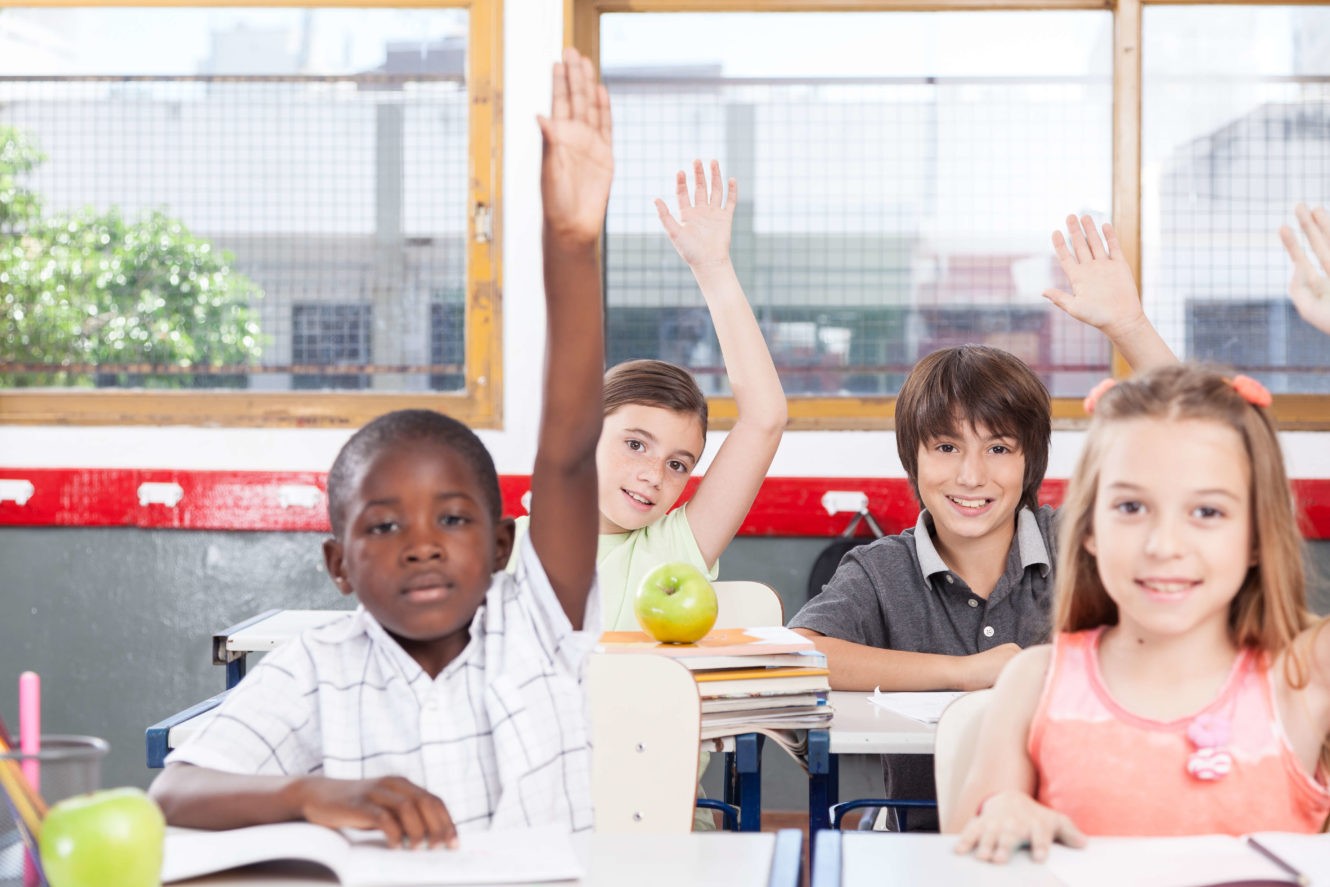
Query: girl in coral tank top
x=1187, y=688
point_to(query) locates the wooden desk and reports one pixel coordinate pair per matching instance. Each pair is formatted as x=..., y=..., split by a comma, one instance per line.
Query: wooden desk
x=858, y=728
x=716, y=859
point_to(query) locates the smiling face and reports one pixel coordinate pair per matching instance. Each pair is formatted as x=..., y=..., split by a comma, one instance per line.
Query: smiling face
x=970, y=480
x=418, y=547
x=1171, y=531
x=645, y=456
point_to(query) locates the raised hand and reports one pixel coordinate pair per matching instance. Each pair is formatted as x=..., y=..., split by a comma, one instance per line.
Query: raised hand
x=406, y=814
x=702, y=233
x=1011, y=819
x=1310, y=288
x=578, y=162
x=1103, y=293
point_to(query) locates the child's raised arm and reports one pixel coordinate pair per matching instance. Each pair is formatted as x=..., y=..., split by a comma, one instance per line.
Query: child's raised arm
x=1104, y=295
x=575, y=175
x=1310, y=289
x=701, y=236
x=996, y=812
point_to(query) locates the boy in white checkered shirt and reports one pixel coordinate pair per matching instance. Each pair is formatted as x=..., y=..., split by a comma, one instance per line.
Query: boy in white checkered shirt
x=452, y=700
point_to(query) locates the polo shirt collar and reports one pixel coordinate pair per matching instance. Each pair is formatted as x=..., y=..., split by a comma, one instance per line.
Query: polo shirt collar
x=1029, y=541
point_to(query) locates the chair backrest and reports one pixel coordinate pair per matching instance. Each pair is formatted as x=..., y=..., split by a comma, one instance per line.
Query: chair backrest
x=747, y=604
x=953, y=749
x=646, y=720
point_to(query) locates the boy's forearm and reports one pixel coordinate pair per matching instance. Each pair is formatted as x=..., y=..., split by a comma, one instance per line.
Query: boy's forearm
x=574, y=352
x=196, y=797
x=862, y=668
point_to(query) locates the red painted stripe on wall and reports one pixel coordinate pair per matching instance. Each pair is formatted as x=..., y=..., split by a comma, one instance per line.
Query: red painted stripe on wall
x=269, y=500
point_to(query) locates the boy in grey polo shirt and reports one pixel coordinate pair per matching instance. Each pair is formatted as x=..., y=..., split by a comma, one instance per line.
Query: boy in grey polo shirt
x=945, y=605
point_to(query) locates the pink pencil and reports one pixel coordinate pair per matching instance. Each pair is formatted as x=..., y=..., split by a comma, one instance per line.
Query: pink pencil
x=30, y=743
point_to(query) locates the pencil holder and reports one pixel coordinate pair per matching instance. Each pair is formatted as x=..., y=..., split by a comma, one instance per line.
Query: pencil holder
x=68, y=765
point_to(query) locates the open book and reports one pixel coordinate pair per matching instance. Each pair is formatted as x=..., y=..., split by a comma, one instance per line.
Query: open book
x=361, y=859
x=1195, y=861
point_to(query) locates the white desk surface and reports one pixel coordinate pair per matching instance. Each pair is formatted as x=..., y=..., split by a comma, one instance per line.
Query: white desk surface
x=882, y=858
x=861, y=728
x=715, y=859
x=279, y=627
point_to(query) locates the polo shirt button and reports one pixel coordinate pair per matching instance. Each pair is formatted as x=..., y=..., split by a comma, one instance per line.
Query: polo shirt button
x=973, y=602
x=988, y=631
x=950, y=579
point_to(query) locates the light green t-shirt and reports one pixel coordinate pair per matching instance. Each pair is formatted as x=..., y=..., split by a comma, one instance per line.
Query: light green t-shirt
x=623, y=559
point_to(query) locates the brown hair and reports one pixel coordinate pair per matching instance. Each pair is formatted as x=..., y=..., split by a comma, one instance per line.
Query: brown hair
x=1270, y=608
x=980, y=385
x=654, y=383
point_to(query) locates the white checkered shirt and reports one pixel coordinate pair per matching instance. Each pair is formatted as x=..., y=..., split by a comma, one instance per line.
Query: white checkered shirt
x=501, y=735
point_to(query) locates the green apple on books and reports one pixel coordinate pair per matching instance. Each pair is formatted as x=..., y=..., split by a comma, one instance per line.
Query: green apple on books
x=104, y=838
x=676, y=604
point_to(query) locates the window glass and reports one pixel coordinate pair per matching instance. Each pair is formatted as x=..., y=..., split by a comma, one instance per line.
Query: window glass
x=899, y=177
x=233, y=198
x=1235, y=131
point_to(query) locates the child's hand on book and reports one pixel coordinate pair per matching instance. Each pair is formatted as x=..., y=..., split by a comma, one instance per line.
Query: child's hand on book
x=407, y=815
x=1010, y=820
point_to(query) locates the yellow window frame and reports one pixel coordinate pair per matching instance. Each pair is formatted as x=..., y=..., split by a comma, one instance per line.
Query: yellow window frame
x=1310, y=411
x=480, y=404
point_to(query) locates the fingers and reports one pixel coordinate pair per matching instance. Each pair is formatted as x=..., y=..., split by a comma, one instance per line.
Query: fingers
x=1078, y=245
x=717, y=197
x=1111, y=241
x=1316, y=226
x=439, y=826
x=1068, y=833
x=603, y=108
x=1060, y=298
x=559, y=104
x=681, y=191
x=731, y=193
x=1092, y=241
x=1060, y=248
x=699, y=184
x=666, y=219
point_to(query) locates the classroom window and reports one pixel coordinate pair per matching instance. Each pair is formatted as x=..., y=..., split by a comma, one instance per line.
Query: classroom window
x=240, y=197
x=899, y=176
x=1236, y=130
x=1194, y=128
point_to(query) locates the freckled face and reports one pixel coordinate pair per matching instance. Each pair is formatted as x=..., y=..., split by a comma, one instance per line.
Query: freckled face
x=419, y=547
x=1172, y=532
x=645, y=456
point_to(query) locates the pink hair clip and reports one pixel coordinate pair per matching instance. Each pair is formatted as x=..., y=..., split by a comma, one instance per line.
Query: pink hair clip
x=1251, y=391
x=1092, y=399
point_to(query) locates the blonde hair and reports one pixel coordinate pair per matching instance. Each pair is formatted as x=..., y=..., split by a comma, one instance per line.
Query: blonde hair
x=1270, y=608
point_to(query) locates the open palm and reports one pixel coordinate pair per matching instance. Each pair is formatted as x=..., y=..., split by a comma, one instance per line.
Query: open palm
x=578, y=163
x=1309, y=287
x=701, y=235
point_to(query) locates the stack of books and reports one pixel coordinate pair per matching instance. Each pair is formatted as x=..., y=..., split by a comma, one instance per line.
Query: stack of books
x=750, y=680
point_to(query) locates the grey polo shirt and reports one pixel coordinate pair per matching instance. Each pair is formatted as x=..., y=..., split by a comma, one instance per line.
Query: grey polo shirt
x=896, y=593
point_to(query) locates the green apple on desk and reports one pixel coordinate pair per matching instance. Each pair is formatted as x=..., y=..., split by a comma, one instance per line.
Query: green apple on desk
x=676, y=604
x=111, y=837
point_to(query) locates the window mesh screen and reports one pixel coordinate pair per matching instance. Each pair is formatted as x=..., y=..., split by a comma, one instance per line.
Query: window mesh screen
x=1229, y=148
x=880, y=217
x=239, y=230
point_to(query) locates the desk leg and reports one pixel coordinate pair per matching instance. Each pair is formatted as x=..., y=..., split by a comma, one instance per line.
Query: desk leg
x=748, y=781
x=823, y=781
x=235, y=670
